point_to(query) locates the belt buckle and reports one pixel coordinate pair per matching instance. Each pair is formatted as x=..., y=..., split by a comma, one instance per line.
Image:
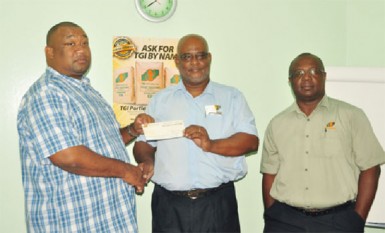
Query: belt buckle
x=193, y=194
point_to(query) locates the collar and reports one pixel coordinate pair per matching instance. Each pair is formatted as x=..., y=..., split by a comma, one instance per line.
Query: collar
x=208, y=90
x=324, y=103
x=84, y=81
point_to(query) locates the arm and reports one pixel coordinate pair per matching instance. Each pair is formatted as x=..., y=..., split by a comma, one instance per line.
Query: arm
x=267, y=182
x=134, y=129
x=367, y=187
x=82, y=161
x=145, y=155
x=235, y=145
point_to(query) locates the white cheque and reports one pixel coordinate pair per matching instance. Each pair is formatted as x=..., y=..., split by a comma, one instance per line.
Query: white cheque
x=164, y=130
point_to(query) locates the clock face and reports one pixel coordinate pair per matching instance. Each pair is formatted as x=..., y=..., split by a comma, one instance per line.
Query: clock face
x=156, y=10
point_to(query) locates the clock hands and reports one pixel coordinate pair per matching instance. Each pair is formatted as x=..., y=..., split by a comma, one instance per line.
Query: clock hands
x=155, y=1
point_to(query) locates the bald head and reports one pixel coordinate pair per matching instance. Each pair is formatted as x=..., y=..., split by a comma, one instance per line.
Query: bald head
x=192, y=38
x=55, y=28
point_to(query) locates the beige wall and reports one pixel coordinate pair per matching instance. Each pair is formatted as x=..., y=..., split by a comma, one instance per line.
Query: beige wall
x=252, y=43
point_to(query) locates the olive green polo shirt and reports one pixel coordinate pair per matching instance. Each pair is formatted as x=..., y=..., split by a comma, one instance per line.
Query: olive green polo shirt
x=317, y=159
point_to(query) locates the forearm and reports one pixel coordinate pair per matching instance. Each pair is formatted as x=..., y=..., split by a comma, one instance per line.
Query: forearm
x=143, y=152
x=128, y=134
x=367, y=187
x=236, y=145
x=131, y=131
x=82, y=161
x=267, y=183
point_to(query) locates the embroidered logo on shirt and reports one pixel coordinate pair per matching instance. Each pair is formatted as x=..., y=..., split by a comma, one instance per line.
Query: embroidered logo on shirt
x=213, y=110
x=330, y=126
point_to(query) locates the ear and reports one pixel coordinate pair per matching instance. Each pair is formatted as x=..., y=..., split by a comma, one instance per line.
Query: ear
x=49, y=52
x=289, y=82
x=210, y=57
x=176, y=60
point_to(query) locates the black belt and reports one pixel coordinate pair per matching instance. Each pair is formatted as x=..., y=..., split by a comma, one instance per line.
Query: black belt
x=198, y=193
x=319, y=212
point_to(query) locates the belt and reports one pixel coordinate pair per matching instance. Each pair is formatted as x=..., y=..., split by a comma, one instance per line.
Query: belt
x=319, y=212
x=198, y=193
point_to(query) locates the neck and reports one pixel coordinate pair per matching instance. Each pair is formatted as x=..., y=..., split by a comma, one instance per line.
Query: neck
x=308, y=107
x=197, y=89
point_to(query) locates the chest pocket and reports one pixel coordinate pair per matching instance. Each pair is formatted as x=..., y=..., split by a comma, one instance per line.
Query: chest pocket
x=217, y=127
x=332, y=144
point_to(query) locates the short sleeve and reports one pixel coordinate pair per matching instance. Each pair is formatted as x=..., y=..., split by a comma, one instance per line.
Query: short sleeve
x=49, y=123
x=366, y=147
x=270, y=156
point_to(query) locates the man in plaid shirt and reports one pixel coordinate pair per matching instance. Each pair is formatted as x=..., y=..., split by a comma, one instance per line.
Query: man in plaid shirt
x=77, y=175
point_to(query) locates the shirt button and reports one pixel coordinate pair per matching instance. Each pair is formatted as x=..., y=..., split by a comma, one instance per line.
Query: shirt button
x=305, y=169
x=307, y=136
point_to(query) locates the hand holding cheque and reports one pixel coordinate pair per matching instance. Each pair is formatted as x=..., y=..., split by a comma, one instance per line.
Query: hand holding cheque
x=174, y=129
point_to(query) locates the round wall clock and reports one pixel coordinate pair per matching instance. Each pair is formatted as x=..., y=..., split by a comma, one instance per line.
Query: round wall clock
x=156, y=10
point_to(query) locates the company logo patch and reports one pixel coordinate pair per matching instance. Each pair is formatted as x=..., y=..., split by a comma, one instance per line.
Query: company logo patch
x=123, y=48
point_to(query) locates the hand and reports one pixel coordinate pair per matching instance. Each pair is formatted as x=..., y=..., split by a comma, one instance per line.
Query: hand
x=199, y=135
x=147, y=170
x=152, y=3
x=134, y=177
x=141, y=119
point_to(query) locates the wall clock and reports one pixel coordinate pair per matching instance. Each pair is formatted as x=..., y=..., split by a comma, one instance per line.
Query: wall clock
x=156, y=10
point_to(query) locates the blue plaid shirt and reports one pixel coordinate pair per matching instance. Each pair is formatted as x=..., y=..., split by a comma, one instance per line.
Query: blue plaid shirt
x=56, y=113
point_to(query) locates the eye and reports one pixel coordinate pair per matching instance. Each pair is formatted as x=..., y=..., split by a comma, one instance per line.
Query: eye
x=69, y=44
x=201, y=56
x=186, y=57
x=297, y=73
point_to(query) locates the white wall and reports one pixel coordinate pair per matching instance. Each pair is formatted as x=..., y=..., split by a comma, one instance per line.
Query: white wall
x=365, y=88
x=252, y=43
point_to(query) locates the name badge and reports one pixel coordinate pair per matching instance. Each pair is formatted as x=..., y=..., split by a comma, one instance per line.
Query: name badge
x=213, y=110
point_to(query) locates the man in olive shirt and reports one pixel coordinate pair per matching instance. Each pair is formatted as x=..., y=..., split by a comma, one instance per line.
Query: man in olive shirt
x=320, y=160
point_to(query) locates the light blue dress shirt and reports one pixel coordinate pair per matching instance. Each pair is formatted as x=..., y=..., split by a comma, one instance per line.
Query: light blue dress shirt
x=179, y=163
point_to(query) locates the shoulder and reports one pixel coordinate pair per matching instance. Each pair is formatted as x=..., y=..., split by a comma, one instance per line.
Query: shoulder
x=343, y=107
x=223, y=87
x=166, y=92
x=223, y=90
x=46, y=88
x=292, y=109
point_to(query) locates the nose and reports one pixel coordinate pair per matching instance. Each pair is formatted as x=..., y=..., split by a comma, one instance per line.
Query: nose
x=307, y=75
x=194, y=59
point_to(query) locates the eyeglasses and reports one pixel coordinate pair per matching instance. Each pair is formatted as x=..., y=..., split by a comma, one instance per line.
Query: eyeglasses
x=186, y=57
x=313, y=72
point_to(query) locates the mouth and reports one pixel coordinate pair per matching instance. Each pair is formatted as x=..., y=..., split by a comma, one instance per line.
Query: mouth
x=82, y=60
x=307, y=87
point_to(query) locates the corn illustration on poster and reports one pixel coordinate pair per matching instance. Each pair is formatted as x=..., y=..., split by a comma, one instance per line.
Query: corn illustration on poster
x=141, y=68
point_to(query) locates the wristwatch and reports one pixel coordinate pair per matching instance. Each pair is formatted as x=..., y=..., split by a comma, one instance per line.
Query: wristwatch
x=129, y=131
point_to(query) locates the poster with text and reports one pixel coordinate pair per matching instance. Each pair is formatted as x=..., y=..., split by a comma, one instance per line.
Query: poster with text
x=141, y=68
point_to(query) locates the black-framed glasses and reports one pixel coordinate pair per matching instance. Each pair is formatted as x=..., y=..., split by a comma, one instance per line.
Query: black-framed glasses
x=186, y=57
x=313, y=72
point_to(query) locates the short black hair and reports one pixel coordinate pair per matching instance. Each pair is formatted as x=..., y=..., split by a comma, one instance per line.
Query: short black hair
x=320, y=63
x=56, y=27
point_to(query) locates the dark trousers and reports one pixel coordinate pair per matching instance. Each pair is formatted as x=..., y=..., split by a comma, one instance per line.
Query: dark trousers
x=283, y=218
x=216, y=212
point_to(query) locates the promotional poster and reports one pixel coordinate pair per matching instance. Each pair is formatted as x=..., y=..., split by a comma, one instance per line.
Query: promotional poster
x=141, y=68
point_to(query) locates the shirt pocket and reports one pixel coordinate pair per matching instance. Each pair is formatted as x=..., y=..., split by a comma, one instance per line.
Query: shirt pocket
x=217, y=127
x=331, y=144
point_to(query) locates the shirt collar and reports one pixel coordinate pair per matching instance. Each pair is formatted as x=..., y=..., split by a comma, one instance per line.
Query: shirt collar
x=324, y=103
x=208, y=90
x=84, y=81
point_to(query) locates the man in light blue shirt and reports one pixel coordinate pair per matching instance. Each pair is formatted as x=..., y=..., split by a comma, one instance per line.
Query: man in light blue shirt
x=75, y=167
x=194, y=174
